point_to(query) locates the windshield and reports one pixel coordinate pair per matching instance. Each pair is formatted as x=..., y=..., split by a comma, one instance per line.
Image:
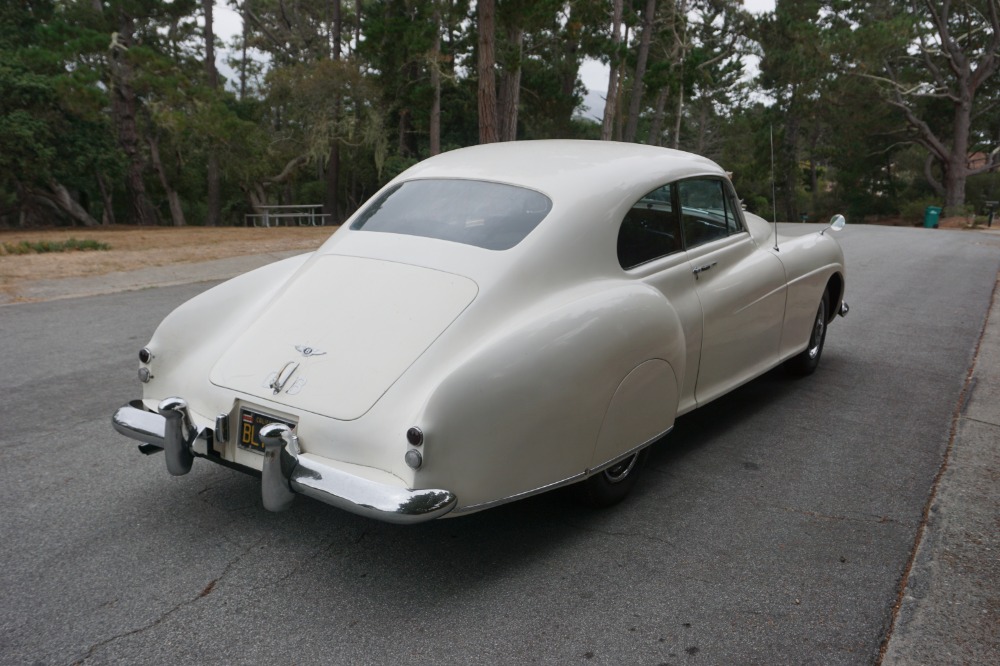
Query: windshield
x=488, y=215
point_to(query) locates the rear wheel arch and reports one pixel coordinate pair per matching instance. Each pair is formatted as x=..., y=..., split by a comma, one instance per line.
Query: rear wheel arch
x=641, y=409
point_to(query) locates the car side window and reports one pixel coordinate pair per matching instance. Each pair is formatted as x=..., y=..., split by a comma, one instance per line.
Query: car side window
x=650, y=229
x=705, y=215
x=733, y=210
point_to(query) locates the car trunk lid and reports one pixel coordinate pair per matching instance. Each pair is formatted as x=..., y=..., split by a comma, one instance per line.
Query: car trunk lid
x=342, y=333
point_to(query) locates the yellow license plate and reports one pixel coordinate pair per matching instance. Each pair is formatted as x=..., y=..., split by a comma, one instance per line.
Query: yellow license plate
x=250, y=424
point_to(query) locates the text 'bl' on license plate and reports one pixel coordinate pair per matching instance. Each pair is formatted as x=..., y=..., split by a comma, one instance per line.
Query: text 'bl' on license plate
x=250, y=424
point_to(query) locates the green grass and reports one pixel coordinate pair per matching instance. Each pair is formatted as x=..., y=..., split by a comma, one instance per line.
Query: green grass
x=41, y=247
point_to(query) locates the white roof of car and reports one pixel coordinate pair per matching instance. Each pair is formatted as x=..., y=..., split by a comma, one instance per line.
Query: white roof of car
x=565, y=167
x=592, y=184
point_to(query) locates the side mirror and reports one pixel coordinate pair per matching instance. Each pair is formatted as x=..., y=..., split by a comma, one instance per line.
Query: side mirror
x=837, y=222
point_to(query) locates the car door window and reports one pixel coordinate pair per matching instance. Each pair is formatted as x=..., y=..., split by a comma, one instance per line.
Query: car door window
x=650, y=229
x=733, y=210
x=705, y=217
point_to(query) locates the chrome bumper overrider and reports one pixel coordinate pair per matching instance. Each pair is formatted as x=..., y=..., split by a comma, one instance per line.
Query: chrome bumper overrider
x=286, y=471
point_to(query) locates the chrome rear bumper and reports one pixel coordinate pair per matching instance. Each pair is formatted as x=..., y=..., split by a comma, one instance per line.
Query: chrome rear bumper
x=286, y=471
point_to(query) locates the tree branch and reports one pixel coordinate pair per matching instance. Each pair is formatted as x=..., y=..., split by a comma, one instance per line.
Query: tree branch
x=925, y=50
x=290, y=168
x=988, y=64
x=992, y=163
x=952, y=50
x=278, y=44
x=926, y=136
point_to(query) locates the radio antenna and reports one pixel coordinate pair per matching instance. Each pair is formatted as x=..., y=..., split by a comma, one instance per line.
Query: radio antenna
x=774, y=196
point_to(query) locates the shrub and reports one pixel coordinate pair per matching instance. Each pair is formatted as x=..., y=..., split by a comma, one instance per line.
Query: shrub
x=42, y=247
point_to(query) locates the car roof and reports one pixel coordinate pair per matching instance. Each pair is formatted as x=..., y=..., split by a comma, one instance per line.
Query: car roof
x=592, y=184
x=565, y=168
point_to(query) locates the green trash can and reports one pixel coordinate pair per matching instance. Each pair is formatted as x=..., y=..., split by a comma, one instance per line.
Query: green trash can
x=931, y=216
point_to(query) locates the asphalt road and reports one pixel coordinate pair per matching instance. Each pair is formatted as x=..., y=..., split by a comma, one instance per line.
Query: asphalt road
x=772, y=527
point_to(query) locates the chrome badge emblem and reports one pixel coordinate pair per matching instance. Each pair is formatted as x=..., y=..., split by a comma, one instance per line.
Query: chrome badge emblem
x=309, y=351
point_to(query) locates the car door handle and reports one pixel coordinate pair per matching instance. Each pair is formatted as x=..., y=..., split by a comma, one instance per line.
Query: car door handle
x=703, y=268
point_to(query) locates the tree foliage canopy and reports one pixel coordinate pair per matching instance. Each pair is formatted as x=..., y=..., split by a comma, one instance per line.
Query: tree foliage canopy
x=109, y=111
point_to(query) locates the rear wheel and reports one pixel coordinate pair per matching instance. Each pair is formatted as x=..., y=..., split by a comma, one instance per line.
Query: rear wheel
x=805, y=363
x=610, y=486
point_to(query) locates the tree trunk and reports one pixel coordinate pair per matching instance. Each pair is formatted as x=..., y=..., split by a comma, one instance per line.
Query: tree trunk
x=790, y=162
x=814, y=186
x=814, y=170
x=487, y=92
x=635, y=105
x=679, y=118
x=214, y=203
x=700, y=147
x=956, y=168
x=929, y=175
x=955, y=175
x=123, y=110
x=108, y=214
x=659, y=108
x=243, y=59
x=60, y=196
x=435, y=120
x=510, y=88
x=680, y=49
x=404, y=132
x=357, y=22
x=611, y=101
x=570, y=61
x=331, y=206
x=176, y=212
x=337, y=28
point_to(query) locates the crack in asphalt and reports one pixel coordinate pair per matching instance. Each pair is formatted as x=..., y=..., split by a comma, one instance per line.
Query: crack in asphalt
x=985, y=423
x=327, y=546
x=204, y=592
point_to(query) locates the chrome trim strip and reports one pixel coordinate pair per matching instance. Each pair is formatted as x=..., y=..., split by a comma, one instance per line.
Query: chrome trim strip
x=286, y=472
x=565, y=482
x=519, y=496
x=617, y=459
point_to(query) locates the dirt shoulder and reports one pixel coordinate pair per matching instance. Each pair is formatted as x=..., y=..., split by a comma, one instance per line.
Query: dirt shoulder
x=133, y=248
x=141, y=257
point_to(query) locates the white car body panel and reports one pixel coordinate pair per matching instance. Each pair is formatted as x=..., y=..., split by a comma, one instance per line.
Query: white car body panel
x=355, y=351
x=523, y=368
x=743, y=300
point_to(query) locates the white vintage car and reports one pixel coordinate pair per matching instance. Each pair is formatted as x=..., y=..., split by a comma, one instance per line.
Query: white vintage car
x=497, y=321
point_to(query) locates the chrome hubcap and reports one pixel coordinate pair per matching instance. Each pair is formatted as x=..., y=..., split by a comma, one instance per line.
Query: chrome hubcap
x=817, y=335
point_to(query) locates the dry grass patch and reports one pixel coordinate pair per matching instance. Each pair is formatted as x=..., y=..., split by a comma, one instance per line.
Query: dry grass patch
x=132, y=248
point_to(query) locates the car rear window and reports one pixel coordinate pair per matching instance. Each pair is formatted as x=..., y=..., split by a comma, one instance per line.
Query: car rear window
x=493, y=216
